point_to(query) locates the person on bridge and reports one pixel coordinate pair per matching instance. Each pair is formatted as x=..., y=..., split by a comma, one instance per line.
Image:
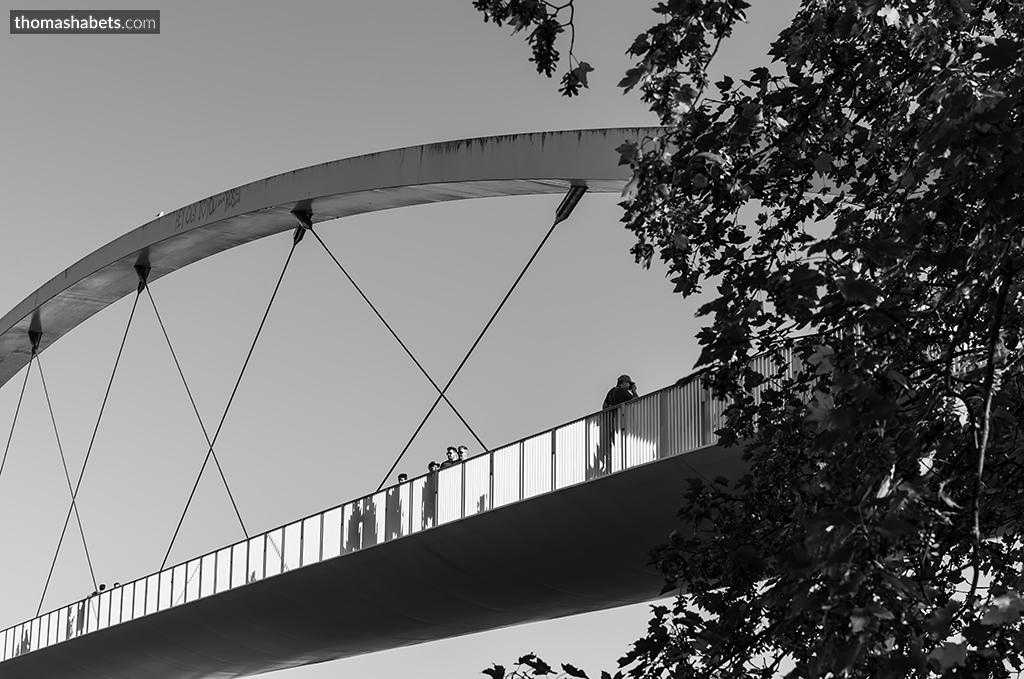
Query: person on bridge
x=463, y=452
x=432, y=467
x=624, y=390
x=453, y=457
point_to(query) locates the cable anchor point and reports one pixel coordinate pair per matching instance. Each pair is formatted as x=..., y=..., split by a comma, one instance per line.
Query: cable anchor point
x=35, y=337
x=305, y=220
x=143, y=273
x=569, y=203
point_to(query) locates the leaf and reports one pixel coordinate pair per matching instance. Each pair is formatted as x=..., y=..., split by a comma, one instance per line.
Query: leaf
x=628, y=152
x=870, y=7
x=859, y=619
x=999, y=55
x=949, y=655
x=1004, y=609
x=938, y=625
x=538, y=666
x=823, y=163
x=857, y=290
x=633, y=76
x=495, y=672
x=574, y=671
x=890, y=14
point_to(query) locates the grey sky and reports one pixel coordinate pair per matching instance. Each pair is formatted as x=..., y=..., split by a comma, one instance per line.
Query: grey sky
x=104, y=132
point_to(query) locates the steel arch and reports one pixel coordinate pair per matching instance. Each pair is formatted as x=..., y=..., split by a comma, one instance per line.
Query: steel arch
x=510, y=165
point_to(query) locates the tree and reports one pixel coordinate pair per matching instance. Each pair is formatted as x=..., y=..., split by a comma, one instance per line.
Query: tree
x=879, y=530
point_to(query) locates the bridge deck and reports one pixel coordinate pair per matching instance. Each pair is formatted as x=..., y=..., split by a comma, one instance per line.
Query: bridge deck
x=575, y=550
x=555, y=524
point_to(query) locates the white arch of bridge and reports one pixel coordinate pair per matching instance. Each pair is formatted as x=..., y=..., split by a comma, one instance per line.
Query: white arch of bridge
x=521, y=164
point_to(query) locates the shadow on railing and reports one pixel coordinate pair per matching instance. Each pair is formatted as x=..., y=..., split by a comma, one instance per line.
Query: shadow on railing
x=671, y=421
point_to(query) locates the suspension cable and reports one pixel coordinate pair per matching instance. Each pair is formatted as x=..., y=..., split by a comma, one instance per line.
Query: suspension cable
x=399, y=340
x=88, y=451
x=196, y=410
x=67, y=475
x=508, y=294
x=295, y=241
x=17, y=410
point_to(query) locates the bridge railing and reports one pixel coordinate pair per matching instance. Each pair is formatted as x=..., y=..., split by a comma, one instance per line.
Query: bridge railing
x=671, y=421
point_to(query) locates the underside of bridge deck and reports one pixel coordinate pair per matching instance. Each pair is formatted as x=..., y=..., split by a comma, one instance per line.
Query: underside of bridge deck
x=579, y=549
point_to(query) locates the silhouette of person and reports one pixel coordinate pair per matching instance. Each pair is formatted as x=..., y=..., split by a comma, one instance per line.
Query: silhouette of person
x=453, y=457
x=402, y=478
x=80, y=622
x=393, y=510
x=623, y=391
x=428, y=503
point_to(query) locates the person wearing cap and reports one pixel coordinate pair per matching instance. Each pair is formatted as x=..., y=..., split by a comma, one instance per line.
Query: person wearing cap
x=624, y=390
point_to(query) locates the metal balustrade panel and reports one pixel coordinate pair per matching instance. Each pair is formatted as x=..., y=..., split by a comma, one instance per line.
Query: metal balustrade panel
x=570, y=454
x=311, y=540
x=641, y=424
x=680, y=407
x=273, y=553
x=222, y=580
x=152, y=603
x=179, y=580
x=352, y=514
x=393, y=512
x=192, y=580
x=128, y=602
x=449, y=494
x=239, y=564
x=537, y=465
x=92, y=614
x=372, y=523
x=115, y=606
x=257, y=558
x=404, y=508
x=507, y=478
x=208, y=575
x=603, y=444
x=477, y=484
x=62, y=625
x=424, y=503
x=291, y=546
x=332, y=533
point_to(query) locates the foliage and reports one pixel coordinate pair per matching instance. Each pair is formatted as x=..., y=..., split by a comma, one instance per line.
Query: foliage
x=878, y=533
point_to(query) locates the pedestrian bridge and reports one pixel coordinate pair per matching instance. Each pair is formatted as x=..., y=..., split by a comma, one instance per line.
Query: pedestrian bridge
x=555, y=524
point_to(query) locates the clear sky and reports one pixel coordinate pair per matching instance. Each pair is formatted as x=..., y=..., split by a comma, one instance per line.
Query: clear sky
x=101, y=133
